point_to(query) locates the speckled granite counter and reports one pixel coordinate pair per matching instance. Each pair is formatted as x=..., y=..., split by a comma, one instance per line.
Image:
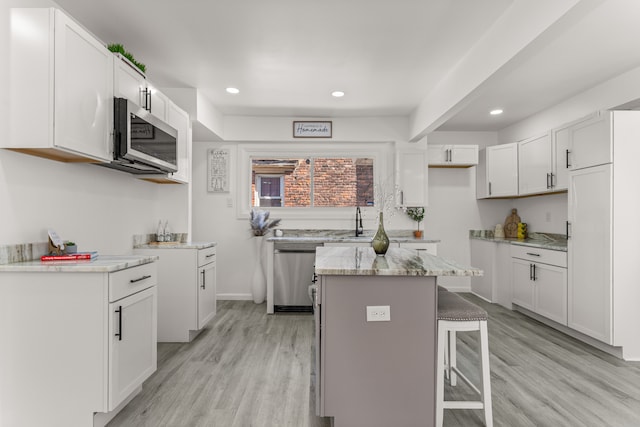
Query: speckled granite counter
x=556, y=242
x=344, y=236
x=355, y=261
x=102, y=264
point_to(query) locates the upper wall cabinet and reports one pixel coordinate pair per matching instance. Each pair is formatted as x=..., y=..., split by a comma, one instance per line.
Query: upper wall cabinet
x=132, y=84
x=411, y=177
x=452, y=156
x=535, y=165
x=129, y=82
x=497, y=171
x=590, y=142
x=61, y=89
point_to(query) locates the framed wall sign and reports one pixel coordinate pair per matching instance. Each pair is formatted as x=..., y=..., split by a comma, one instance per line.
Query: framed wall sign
x=313, y=129
x=218, y=170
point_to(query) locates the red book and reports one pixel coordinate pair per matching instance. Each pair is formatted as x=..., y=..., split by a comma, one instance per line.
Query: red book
x=70, y=257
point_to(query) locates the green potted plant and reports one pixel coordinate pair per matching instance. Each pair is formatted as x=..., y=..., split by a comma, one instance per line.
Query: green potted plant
x=416, y=214
x=70, y=247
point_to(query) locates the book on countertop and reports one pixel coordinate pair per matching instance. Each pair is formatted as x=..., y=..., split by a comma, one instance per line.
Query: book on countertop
x=79, y=256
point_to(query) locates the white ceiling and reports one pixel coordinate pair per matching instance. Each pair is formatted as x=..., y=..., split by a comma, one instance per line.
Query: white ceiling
x=287, y=56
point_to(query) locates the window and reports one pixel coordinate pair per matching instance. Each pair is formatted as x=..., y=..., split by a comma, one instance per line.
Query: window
x=312, y=182
x=270, y=190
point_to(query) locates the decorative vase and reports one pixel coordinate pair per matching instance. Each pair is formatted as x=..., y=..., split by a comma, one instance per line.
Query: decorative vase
x=70, y=249
x=417, y=234
x=380, y=241
x=258, y=282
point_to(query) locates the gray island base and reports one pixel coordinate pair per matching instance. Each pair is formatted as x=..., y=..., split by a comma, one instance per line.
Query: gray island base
x=369, y=372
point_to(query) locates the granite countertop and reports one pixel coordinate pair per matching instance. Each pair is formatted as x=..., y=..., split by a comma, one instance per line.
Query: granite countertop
x=556, y=242
x=345, y=236
x=175, y=245
x=101, y=264
x=363, y=261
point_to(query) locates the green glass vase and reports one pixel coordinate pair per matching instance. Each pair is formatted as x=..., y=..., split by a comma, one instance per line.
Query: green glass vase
x=380, y=241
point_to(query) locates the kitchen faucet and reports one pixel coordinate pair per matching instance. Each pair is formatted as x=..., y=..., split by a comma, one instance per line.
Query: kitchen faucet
x=359, y=229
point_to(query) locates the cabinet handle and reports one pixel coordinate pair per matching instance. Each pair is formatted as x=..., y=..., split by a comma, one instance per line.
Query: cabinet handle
x=119, y=334
x=203, y=280
x=489, y=188
x=567, y=159
x=402, y=197
x=534, y=273
x=567, y=231
x=530, y=271
x=149, y=100
x=139, y=279
x=209, y=256
x=548, y=181
x=532, y=254
x=553, y=184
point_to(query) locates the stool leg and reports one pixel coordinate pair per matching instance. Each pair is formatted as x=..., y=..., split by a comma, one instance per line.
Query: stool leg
x=442, y=334
x=453, y=378
x=486, y=374
x=447, y=369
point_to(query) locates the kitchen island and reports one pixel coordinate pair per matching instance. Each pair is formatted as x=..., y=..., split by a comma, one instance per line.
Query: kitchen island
x=371, y=371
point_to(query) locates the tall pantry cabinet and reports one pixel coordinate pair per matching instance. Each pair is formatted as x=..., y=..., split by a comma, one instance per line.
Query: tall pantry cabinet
x=603, y=291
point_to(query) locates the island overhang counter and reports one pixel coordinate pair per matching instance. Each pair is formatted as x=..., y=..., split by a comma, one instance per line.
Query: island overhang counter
x=370, y=372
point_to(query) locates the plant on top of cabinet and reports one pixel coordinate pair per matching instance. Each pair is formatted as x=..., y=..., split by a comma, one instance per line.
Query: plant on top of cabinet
x=118, y=48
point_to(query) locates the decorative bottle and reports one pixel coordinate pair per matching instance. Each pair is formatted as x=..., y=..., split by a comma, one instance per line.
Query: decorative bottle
x=380, y=241
x=160, y=232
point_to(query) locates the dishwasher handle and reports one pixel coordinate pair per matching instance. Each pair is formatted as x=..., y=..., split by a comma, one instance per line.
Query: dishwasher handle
x=294, y=251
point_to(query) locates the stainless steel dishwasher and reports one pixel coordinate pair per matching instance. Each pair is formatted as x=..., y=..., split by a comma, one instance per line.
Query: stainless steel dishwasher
x=293, y=270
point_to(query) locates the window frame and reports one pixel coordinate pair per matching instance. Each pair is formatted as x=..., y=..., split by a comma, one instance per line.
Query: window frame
x=382, y=154
x=259, y=187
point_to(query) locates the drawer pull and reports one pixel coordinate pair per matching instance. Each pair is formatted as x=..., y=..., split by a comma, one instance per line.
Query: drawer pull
x=139, y=279
x=532, y=254
x=209, y=256
x=119, y=334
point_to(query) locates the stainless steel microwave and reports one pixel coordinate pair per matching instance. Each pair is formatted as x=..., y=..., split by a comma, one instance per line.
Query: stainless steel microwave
x=143, y=144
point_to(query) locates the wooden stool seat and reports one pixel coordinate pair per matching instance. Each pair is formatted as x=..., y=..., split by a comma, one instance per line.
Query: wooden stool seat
x=457, y=314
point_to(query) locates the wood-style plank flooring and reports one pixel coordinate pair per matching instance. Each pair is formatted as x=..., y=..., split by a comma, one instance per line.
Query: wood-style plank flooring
x=249, y=369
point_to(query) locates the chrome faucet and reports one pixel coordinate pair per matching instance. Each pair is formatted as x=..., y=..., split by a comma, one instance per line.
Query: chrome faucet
x=359, y=229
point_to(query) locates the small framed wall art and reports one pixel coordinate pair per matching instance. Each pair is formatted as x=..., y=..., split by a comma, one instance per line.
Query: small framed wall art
x=218, y=170
x=313, y=129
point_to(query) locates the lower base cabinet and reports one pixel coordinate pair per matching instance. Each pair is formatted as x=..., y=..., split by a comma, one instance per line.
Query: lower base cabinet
x=74, y=344
x=494, y=258
x=186, y=291
x=540, y=281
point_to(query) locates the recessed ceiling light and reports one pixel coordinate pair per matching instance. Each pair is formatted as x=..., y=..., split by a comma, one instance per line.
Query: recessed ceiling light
x=337, y=93
x=495, y=112
x=233, y=90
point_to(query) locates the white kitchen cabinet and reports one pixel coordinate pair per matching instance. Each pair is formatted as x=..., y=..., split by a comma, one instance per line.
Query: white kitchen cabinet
x=132, y=353
x=590, y=251
x=590, y=141
x=411, y=177
x=497, y=171
x=159, y=103
x=179, y=120
x=61, y=89
x=540, y=281
x=452, y=155
x=129, y=82
x=560, y=142
x=535, y=171
x=495, y=261
x=75, y=343
x=186, y=289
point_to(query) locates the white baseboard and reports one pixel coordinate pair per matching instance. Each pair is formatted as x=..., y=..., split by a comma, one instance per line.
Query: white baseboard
x=235, y=297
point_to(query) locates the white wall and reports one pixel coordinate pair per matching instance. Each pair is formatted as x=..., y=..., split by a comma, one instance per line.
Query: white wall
x=98, y=208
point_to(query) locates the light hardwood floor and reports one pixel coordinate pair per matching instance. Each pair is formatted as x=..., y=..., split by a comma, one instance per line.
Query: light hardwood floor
x=250, y=369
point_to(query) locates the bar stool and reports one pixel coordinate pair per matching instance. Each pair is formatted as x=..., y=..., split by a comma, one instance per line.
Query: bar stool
x=457, y=314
